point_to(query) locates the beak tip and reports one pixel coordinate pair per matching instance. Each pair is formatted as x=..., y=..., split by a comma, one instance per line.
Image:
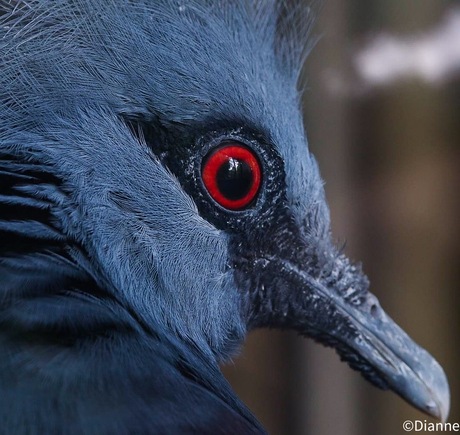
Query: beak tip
x=439, y=411
x=439, y=404
x=443, y=408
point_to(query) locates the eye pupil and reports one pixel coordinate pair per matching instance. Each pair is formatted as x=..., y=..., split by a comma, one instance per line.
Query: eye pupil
x=234, y=178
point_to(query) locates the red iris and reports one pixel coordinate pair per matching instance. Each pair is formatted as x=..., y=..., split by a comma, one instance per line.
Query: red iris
x=232, y=176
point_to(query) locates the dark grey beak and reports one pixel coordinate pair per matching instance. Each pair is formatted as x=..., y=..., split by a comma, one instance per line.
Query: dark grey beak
x=335, y=308
x=408, y=370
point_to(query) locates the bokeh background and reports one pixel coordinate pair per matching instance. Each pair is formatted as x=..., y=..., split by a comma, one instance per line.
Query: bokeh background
x=382, y=113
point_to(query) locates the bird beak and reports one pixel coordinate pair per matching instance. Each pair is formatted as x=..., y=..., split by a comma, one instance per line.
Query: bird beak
x=406, y=368
x=361, y=332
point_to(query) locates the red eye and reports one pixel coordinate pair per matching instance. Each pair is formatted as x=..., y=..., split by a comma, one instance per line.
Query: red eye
x=232, y=175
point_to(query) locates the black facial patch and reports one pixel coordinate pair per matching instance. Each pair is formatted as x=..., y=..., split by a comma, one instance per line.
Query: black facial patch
x=184, y=153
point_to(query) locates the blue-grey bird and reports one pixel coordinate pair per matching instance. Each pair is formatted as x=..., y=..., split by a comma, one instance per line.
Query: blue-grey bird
x=157, y=202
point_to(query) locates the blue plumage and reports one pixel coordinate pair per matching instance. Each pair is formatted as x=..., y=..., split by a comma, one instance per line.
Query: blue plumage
x=122, y=282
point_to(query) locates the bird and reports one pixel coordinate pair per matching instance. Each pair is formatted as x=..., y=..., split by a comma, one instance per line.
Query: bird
x=158, y=201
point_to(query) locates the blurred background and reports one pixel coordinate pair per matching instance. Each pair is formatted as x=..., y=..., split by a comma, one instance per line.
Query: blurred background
x=382, y=114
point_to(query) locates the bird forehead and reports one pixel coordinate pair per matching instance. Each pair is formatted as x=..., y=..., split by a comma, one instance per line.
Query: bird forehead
x=194, y=62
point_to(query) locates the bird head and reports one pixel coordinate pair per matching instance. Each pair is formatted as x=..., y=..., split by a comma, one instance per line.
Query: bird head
x=155, y=165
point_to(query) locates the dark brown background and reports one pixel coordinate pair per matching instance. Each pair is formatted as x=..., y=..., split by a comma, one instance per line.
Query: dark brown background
x=391, y=160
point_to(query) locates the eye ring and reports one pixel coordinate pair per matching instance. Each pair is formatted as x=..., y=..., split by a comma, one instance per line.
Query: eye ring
x=232, y=175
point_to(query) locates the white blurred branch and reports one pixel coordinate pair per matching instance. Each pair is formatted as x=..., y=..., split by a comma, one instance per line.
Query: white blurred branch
x=433, y=56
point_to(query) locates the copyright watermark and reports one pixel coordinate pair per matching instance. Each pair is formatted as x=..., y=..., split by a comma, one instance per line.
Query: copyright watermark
x=427, y=426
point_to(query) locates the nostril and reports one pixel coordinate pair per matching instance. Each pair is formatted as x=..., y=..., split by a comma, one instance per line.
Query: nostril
x=372, y=306
x=374, y=310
